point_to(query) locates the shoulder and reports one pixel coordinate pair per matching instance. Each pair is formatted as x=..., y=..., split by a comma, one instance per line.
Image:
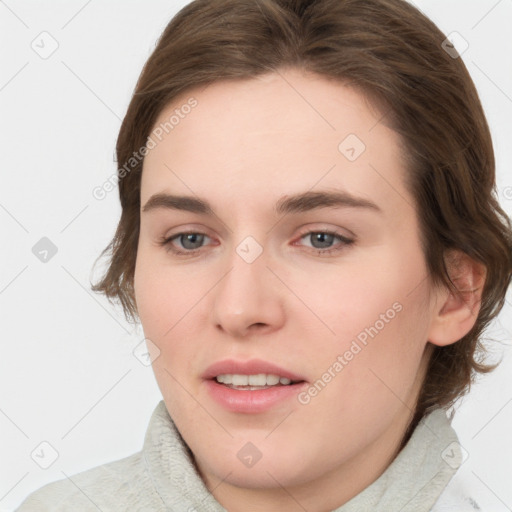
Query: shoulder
x=457, y=496
x=120, y=485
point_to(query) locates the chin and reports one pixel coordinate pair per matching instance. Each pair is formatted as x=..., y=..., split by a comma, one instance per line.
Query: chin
x=281, y=470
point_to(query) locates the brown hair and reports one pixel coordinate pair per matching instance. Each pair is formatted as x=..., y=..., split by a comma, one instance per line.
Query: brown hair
x=393, y=54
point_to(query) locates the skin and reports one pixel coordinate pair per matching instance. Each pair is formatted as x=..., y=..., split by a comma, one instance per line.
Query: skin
x=246, y=145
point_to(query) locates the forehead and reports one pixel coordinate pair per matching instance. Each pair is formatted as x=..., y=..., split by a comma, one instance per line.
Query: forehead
x=279, y=134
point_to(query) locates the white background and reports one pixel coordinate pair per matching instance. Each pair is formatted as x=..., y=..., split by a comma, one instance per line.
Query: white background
x=67, y=372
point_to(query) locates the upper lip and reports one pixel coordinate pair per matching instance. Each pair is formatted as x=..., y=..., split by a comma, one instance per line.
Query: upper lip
x=250, y=367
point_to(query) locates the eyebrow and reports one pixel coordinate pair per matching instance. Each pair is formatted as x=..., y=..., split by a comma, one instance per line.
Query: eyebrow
x=298, y=203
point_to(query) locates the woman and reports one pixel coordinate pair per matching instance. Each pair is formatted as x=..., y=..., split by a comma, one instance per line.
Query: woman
x=311, y=241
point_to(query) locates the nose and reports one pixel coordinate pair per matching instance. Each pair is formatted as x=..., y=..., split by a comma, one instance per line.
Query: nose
x=248, y=300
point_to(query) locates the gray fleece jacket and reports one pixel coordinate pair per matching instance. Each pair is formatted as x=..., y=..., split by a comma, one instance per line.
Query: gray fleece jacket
x=162, y=478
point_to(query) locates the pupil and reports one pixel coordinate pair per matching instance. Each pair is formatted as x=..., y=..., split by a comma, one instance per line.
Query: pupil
x=321, y=240
x=192, y=240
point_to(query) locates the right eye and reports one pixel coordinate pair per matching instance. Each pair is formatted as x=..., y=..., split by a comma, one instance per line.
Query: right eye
x=185, y=243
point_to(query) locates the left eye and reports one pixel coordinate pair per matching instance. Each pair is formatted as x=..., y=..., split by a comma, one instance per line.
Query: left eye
x=324, y=239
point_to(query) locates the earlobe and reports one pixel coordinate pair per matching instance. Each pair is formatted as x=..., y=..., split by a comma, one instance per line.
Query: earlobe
x=456, y=310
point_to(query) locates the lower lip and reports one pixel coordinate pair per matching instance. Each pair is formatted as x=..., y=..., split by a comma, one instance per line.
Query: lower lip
x=254, y=401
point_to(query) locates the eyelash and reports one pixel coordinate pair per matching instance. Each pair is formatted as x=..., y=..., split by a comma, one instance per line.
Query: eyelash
x=345, y=242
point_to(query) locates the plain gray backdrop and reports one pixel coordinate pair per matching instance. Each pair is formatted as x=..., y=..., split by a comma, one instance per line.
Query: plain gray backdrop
x=73, y=394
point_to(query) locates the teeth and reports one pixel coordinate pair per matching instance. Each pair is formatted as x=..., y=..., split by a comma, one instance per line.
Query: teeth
x=272, y=380
x=261, y=379
x=239, y=380
x=257, y=380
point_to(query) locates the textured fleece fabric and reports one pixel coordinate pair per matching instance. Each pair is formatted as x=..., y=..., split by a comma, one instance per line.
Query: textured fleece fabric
x=162, y=478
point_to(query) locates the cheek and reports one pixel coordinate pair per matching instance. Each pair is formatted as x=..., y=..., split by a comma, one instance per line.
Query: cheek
x=383, y=375
x=173, y=312
x=363, y=294
x=165, y=304
x=165, y=296
x=369, y=371
x=379, y=313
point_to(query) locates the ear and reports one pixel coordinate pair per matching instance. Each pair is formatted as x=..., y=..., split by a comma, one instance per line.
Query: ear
x=456, y=311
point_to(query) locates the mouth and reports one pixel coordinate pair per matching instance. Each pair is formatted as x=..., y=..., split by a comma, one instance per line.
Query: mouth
x=253, y=386
x=252, y=373
x=254, y=382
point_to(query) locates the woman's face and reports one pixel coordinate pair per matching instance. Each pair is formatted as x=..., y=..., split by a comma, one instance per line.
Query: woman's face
x=301, y=259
